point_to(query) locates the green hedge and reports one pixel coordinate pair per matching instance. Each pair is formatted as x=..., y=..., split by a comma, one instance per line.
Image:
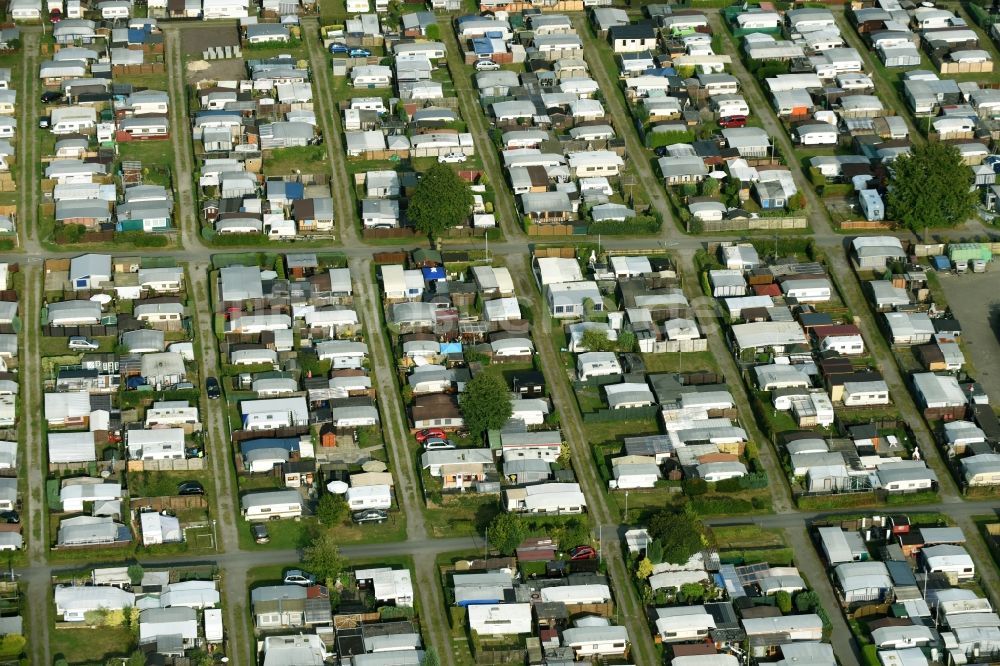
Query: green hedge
x=141, y=239
x=641, y=224
x=608, y=415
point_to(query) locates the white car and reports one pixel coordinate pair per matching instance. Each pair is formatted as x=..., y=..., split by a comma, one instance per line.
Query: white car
x=451, y=158
x=80, y=342
x=486, y=66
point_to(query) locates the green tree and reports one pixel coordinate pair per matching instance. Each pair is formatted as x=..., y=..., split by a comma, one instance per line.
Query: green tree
x=627, y=342
x=930, y=187
x=136, y=659
x=680, y=534
x=654, y=551
x=12, y=645
x=322, y=557
x=596, y=339
x=135, y=572
x=332, y=509
x=784, y=601
x=709, y=187
x=644, y=570
x=486, y=403
x=430, y=656
x=440, y=201
x=806, y=601
x=506, y=532
x=692, y=593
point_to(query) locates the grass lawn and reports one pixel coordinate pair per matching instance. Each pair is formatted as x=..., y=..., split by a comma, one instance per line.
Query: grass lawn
x=309, y=159
x=90, y=645
x=465, y=518
x=600, y=433
x=746, y=536
x=292, y=534
x=57, y=346
x=150, y=153
x=682, y=362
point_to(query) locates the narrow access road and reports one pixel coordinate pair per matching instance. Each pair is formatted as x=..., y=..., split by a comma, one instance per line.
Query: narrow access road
x=806, y=559
x=472, y=113
x=217, y=451
x=186, y=215
x=329, y=116
x=28, y=159
x=397, y=438
x=615, y=103
x=33, y=459
x=633, y=613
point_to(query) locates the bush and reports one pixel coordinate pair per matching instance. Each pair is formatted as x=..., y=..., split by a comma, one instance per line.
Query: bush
x=640, y=224
x=141, y=239
x=695, y=487
x=729, y=485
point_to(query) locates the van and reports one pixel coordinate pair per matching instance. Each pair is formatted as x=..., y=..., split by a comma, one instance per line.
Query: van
x=733, y=121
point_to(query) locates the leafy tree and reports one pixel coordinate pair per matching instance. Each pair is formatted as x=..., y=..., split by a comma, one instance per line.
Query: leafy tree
x=572, y=533
x=588, y=308
x=12, y=645
x=627, y=341
x=654, y=552
x=931, y=187
x=565, y=459
x=695, y=487
x=692, y=592
x=596, y=339
x=60, y=661
x=806, y=601
x=644, y=570
x=506, y=532
x=709, y=187
x=322, y=557
x=137, y=658
x=332, y=509
x=680, y=534
x=784, y=601
x=440, y=201
x=486, y=403
x=135, y=572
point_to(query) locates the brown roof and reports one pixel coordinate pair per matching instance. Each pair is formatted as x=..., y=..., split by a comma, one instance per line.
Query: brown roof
x=835, y=329
x=435, y=407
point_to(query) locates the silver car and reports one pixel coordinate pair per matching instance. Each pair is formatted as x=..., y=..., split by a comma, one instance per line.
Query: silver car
x=82, y=343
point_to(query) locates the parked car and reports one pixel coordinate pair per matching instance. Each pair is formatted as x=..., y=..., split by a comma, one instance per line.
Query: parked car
x=50, y=96
x=660, y=151
x=733, y=121
x=337, y=47
x=359, y=53
x=582, y=553
x=43, y=122
x=190, y=488
x=212, y=388
x=377, y=516
x=86, y=344
x=427, y=433
x=299, y=577
x=451, y=158
x=978, y=266
x=259, y=533
x=486, y=66
x=437, y=443
x=10, y=517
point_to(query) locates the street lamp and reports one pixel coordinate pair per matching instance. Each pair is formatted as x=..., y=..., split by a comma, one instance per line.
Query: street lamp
x=626, y=507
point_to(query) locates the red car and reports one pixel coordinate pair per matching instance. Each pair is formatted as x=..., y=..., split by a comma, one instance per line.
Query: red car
x=582, y=553
x=733, y=121
x=427, y=433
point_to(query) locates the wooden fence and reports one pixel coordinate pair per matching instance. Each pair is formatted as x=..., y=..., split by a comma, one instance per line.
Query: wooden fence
x=147, y=68
x=550, y=230
x=559, y=252
x=397, y=232
x=175, y=502
x=172, y=465
x=850, y=225
x=85, y=331
x=756, y=224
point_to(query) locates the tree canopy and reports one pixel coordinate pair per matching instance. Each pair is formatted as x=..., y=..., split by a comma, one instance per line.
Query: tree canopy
x=506, y=532
x=332, y=509
x=441, y=201
x=680, y=534
x=931, y=187
x=323, y=558
x=486, y=403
